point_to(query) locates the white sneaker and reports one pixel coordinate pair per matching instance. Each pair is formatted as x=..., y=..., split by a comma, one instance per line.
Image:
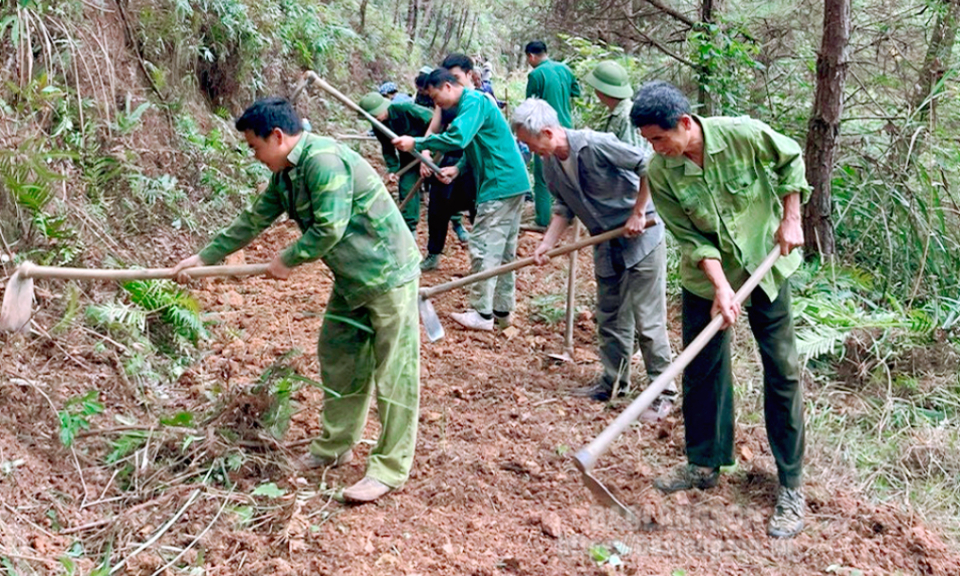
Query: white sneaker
x=473, y=320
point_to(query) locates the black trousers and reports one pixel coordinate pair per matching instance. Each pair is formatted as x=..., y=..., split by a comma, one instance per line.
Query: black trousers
x=708, y=386
x=447, y=201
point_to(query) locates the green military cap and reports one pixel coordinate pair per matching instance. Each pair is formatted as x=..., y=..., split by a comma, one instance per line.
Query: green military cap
x=611, y=79
x=374, y=104
x=426, y=70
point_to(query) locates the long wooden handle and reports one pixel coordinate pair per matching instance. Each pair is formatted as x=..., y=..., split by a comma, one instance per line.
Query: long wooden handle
x=312, y=76
x=28, y=270
x=523, y=263
x=587, y=457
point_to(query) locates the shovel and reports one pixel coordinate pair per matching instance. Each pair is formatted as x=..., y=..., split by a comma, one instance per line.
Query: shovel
x=429, y=315
x=18, y=297
x=587, y=457
x=310, y=77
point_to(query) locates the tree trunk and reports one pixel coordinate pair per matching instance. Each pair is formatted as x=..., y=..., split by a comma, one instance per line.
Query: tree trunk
x=708, y=11
x=473, y=26
x=823, y=129
x=427, y=15
x=938, y=55
x=363, y=15
x=412, y=10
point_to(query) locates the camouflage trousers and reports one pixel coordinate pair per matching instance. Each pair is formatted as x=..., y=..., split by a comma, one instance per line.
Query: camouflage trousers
x=373, y=350
x=493, y=241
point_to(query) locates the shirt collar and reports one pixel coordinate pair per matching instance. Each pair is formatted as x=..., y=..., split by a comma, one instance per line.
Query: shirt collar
x=297, y=153
x=576, y=140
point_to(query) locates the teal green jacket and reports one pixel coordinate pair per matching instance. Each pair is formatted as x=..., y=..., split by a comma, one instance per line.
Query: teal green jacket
x=347, y=217
x=554, y=82
x=730, y=210
x=480, y=130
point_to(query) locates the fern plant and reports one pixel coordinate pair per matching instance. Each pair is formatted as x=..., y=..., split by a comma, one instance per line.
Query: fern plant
x=174, y=306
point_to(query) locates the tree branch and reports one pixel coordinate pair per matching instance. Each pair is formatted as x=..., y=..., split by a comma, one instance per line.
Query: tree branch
x=670, y=12
x=660, y=46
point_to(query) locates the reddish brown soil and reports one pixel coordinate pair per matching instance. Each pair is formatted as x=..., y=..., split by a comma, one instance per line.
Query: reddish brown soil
x=493, y=489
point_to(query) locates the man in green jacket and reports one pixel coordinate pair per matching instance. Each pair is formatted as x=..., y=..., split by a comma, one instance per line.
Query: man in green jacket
x=729, y=189
x=612, y=87
x=404, y=118
x=370, y=338
x=554, y=82
x=502, y=181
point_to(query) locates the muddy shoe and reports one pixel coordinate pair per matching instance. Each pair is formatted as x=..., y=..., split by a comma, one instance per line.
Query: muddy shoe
x=472, y=320
x=462, y=235
x=431, y=262
x=600, y=391
x=662, y=406
x=787, y=519
x=686, y=477
x=309, y=461
x=366, y=490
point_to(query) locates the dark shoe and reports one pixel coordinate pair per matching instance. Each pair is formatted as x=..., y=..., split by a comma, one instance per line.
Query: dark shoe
x=787, y=519
x=366, y=490
x=686, y=477
x=310, y=461
x=462, y=235
x=502, y=321
x=659, y=409
x=431, y=262
x=601, y=391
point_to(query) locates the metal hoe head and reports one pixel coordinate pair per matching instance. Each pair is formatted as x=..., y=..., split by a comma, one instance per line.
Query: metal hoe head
x=431, y=322
x=17, y=303
x=601, y=493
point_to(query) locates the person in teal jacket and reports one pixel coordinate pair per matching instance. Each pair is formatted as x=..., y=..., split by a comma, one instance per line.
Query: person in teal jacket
x=502, y=181
x=554, y=82
x=370, y=339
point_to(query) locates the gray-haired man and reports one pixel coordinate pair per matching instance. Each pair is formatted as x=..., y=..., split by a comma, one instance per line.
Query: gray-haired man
x=598, y=179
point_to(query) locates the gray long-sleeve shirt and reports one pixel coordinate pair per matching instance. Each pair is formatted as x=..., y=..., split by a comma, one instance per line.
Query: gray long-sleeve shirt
x=603, y=195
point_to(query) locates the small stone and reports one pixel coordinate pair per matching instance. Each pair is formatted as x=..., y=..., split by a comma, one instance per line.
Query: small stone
x=747, y=453
x=447, y=549
x=551, y=525
x=431, y=416
x=510, y=332
x=231, y=298
x=681, y=498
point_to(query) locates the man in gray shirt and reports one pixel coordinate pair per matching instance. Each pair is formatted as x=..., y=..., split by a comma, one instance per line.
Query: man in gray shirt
x=597, y=178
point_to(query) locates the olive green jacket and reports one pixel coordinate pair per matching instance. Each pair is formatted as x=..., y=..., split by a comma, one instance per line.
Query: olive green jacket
x=730, y=210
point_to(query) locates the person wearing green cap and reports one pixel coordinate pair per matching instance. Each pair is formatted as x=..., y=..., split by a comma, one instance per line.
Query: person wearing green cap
x=405, y=119
x=554, y=82
x=612, y=86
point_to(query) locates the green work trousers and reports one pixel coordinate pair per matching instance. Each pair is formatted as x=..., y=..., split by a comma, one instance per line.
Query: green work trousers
x=542, y=200
x=372, y=350
x=411, y=212
x=632, y=314
x=708, y=386
x=493, y=241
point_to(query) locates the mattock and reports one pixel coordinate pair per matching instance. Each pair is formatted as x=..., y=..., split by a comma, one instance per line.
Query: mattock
x=587, y=457
x=431, y=322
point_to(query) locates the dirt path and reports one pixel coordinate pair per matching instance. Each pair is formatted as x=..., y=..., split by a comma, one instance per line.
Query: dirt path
x=493, y=489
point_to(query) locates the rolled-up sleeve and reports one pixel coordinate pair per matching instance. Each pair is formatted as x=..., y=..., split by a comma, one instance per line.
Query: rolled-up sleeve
x=785, y=158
